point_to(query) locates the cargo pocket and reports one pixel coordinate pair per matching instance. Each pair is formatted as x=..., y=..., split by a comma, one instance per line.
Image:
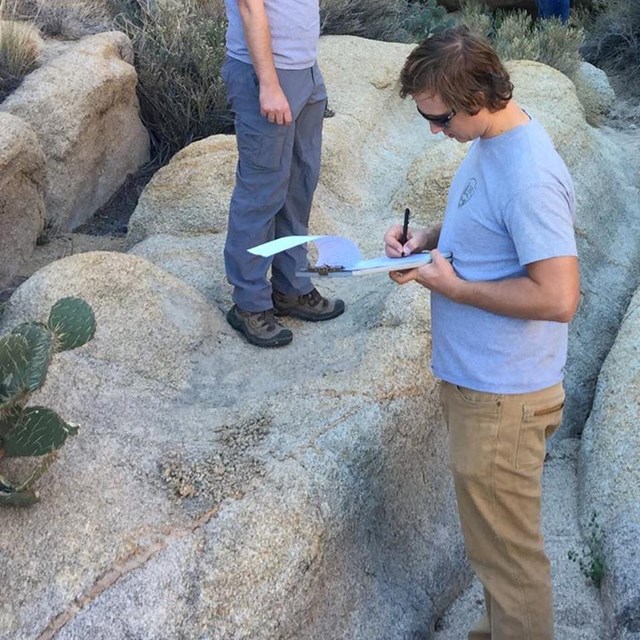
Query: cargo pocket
x=262, y=151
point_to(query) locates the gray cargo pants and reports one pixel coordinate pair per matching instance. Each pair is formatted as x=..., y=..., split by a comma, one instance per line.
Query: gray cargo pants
x=276, y=176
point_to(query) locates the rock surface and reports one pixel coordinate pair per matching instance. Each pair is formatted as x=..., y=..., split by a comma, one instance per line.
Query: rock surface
x=89, y=129
x=610, y=475
x=21, y=194
x=595, y=92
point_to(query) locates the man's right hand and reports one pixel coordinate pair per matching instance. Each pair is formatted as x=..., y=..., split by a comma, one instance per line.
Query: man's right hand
x=416, y=241
x=274, y=105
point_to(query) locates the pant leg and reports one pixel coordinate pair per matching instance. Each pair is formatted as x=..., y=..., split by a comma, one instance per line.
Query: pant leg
x=553, y=8
x=262, y=178
x=497, y=451
x=293, y=218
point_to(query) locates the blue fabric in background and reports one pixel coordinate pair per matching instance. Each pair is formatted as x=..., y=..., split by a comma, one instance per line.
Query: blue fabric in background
x=551, y=8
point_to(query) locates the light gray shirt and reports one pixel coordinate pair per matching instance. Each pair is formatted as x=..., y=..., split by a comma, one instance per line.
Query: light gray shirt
x=511, y=203
x=294, y=26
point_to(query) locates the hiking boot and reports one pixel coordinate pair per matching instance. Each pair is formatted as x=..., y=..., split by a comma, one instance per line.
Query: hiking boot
x=310, y=306
x=260, y=328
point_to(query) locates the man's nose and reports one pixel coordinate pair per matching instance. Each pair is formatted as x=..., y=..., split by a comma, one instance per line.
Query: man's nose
x=435, y=128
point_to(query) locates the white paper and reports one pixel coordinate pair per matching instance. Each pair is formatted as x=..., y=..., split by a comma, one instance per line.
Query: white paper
x=332, y=250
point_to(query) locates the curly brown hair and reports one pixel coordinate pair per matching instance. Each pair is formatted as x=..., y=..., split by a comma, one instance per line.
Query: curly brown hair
x=462, y=68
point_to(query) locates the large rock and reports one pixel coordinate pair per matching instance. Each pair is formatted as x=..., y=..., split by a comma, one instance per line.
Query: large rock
x=182, y=198
x=595, y=92
x=610, y=475
x=21, y=194
x=369, y=148
x=301, y=492
x=148, y=321
x=84, y=109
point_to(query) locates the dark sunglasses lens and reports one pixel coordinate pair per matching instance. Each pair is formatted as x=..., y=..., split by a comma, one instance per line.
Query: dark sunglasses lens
x=439, y=122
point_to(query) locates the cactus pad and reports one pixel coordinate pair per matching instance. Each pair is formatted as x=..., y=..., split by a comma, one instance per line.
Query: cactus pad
x=19, y=498
x=37, y=431
x=40, y=343
x=72, y=323
x=14, y=360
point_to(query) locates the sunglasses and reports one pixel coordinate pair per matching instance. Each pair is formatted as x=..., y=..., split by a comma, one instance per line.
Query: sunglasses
x=440, y=121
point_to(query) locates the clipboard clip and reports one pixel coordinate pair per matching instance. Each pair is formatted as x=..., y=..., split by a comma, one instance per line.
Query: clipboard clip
x=324, y=269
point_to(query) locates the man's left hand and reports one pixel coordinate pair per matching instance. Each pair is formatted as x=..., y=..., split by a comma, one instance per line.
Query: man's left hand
x=438, y=275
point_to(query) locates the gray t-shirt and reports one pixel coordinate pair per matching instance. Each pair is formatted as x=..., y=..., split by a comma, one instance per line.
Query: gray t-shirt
x=511, y=203
x=294, y=26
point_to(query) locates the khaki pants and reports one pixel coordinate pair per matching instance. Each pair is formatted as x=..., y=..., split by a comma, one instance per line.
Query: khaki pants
x=497, y=444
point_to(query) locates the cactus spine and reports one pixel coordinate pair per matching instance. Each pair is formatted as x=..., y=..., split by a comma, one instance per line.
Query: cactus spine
x=25, y=355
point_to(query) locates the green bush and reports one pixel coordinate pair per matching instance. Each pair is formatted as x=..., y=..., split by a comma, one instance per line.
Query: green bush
x=590, y=557
x=515, y=39
x=19, y=50
x=422, y=20
x=179, y=47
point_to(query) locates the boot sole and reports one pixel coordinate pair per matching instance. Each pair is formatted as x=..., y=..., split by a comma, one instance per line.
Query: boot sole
x=239, y=326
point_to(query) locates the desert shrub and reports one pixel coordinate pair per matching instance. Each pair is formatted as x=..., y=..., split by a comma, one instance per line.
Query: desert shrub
x=517, y=36
x=375, y=19
x=560, y=46
x=65, y=19
x=514, y=38
x=180, y=47
x=422, y=20
x=19, y=50
x=477, y=17
x=613, y=40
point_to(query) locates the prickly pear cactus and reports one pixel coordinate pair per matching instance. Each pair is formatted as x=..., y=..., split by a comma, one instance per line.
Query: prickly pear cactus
x=25, y=355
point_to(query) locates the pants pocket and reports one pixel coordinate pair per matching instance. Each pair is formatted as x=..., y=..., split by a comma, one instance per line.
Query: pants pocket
x=473, y=419
x=260, y=150
x=540, y=420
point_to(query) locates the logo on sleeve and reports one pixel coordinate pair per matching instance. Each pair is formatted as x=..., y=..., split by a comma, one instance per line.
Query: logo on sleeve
x=468, y=192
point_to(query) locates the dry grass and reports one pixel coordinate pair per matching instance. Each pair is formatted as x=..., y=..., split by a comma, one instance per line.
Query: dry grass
x=613, y=41
x=65, y=19
x=180, y=47
x=375, y=19
x=19, y=49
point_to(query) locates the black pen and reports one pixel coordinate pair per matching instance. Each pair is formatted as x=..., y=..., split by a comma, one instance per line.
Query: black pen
x=405, y=228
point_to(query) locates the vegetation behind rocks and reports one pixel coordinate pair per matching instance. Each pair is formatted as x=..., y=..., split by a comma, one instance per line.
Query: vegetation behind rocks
x=613, y=40
x=180, y=45
x=19, y=50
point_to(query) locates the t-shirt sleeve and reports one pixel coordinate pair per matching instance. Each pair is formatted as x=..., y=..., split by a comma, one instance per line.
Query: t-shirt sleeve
x=540, y=222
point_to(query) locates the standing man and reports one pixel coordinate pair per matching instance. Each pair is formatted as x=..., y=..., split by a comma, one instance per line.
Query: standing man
x=499, y=317
x=276, y=90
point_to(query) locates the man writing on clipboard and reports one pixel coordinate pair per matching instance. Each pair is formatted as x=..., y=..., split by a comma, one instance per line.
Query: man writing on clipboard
x=499, y=317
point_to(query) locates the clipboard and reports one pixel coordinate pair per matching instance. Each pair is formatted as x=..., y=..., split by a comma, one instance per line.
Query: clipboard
x=340, y=257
